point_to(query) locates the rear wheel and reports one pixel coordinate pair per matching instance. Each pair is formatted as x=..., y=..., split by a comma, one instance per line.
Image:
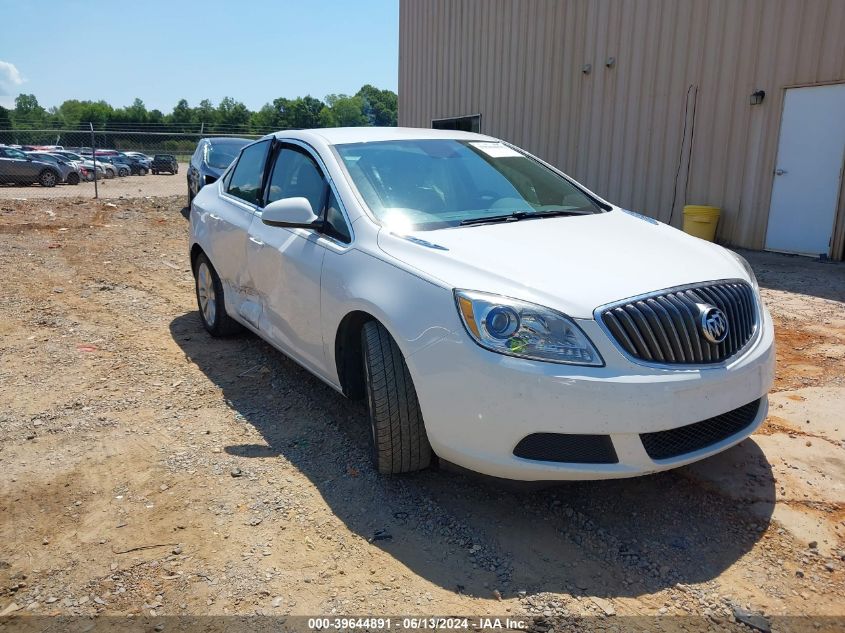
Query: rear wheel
x=48, y=178
x=399, y=441
x=143, y=171
x=73, y=178
x=210, y=300
x=123, y=173
x=155, y=172
x=110, y=173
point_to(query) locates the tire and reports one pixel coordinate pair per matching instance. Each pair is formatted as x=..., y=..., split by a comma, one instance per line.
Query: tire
x=109, y=174
x=155, y=172
x=48, y=178
x=399, y=441
x=190, y=195
x=73, y=178
x=210, y=300
x=123, y=173
x=143, y=171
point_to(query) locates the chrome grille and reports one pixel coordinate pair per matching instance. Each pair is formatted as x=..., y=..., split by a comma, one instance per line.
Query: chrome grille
x=664, y=327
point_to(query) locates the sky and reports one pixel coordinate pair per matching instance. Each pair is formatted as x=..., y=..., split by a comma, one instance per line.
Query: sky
x=162, y=51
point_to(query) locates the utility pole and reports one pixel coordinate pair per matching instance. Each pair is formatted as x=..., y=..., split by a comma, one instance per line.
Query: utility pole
x=94, y=158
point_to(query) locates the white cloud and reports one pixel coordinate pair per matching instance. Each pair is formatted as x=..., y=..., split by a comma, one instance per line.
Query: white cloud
x=10, y=79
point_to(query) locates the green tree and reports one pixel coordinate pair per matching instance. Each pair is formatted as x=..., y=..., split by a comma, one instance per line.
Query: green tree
x=28, y=114
x=181, y=113
x=379, y=106
x=205, y=113
x=137, y=112
x=304, y=112
x=343, y=111
x=369, y=106
x=5, y=119
x=266, y=119
x=232, y=113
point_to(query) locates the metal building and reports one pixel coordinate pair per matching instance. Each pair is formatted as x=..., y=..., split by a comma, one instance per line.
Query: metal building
x=653, y=104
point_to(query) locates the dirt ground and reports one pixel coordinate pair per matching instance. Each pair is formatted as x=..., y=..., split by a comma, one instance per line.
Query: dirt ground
x=127, y=187
x=148, y=469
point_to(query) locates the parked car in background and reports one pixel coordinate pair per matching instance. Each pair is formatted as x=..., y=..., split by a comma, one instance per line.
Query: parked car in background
x=137, y=166
x=17, y=167
x=488, y=308
x=147, y=160
x=140, y=155
x=117, y=166
x=82, y=163
x=164, y=162
x=68, y=173
x=109, y=169
x=210, y=160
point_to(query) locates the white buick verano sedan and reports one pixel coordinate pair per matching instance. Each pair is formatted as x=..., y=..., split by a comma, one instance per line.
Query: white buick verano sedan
x=494, y=313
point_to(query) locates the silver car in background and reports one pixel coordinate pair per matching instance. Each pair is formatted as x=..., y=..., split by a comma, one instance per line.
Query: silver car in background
x=113, y=166
x=68, y=173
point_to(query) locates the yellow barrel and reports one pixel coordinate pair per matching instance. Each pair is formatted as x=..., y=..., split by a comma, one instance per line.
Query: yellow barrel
x=701, y=221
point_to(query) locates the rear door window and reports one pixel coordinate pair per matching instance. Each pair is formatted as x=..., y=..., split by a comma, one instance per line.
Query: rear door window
x=248, y=175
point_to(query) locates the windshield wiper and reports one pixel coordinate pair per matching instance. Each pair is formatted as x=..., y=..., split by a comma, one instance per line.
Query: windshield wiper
x=522, y=215
x=510, y=217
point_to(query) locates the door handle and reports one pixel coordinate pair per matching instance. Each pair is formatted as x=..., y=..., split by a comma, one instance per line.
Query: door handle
x=213, y=217
x=780, y=172
x=255, y=241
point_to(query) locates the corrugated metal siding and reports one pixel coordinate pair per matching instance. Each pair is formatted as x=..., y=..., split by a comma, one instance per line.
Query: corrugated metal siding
x=619, y=130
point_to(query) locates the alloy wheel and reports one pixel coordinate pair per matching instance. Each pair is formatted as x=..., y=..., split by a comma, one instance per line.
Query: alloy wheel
x=206, y=294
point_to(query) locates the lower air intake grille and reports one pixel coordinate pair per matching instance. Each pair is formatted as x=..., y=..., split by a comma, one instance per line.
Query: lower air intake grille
x=571, y=449
x=693, y=437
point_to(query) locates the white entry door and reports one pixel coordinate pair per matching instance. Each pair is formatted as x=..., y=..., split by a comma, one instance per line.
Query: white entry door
x=808, y=171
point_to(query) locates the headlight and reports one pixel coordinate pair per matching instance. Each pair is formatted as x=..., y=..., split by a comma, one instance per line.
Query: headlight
x=744, y=263
x=526, y=330
x=758, y=298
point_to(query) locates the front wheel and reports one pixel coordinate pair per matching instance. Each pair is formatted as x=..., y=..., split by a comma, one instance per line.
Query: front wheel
x=399, y=441
x=210, y=300
x=48, y=178
x=123, y=173
x=143, y=171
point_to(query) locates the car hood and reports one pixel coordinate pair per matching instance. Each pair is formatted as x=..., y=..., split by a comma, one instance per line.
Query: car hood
x=572, y=264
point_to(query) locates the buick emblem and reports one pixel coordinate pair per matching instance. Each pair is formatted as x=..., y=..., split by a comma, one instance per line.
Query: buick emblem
x=713, y=323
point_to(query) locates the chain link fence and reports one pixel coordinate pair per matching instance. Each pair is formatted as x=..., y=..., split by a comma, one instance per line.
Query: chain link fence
x=89, y=140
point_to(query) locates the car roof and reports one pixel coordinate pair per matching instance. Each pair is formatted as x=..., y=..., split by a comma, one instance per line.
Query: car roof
x=229, y=139
x=342, y=135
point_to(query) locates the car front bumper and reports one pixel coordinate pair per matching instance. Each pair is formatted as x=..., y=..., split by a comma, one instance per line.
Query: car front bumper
x=478, y=405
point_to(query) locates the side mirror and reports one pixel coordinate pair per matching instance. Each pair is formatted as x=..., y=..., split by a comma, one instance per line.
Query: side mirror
x=291, y=213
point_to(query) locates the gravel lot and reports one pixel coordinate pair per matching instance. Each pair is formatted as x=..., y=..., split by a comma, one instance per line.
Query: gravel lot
x=127, y=187
x=148, y=469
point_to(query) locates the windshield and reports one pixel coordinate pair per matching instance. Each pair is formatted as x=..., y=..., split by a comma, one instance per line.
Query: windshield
x=429, y=184
x=45, y=158
x=221, y=156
